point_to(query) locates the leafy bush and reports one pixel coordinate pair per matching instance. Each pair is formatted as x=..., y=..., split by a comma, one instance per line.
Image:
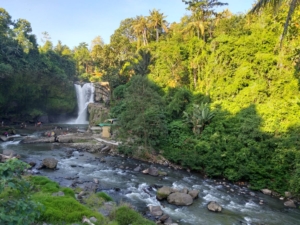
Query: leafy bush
x=125, y=215
x=16, y=204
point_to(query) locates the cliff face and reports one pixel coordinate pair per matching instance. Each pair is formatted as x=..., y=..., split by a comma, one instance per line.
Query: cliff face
x=98, y=111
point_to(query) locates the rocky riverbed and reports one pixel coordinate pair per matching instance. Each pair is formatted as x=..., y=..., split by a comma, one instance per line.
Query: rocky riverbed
x=93, y=164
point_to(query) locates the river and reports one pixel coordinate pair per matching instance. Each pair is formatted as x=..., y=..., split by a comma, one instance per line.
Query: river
x=117, y=178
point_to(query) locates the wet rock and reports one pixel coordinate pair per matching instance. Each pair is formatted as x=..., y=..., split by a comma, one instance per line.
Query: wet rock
x=290, y=203
x=180, y=199
x=96, y=181
x=194, y=193
x=73, y=165
x=214, y=207
x=91, y=187
x=153, y=171
x=155, y=210
x=32, y=164
x=266, y=191
x=168, y=221
x=184, y=190
x=137, y=169
x=161, y=173
x=102, y=160
x=50, y=163
x=146, y=171
x=163, y=218
x=164, y=192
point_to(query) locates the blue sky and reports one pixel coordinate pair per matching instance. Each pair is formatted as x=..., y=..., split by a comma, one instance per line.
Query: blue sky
x=75, y=21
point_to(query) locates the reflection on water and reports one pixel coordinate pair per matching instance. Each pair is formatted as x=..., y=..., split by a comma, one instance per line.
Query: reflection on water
x=139, y=189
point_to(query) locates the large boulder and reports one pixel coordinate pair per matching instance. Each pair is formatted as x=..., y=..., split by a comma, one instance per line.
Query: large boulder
x=181, y=199
x=164, y=192
x=214, y=207
x=50, y=163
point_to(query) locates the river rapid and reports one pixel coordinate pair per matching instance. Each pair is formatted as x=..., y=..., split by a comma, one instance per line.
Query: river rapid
x=117, y=178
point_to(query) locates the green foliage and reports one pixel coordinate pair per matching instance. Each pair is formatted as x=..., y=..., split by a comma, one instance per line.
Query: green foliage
x=142, y=118
x=177, y=99
x=44, y=184
x=105, y=196
x=125, y=215
x=33, y=81
x=61, y=209
x=199, y=117
x=16, y=204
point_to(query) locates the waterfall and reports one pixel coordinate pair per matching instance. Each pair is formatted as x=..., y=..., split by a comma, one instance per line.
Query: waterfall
x=85, y=95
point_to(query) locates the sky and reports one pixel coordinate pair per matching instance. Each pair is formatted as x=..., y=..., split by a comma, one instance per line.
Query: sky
x=76, y=21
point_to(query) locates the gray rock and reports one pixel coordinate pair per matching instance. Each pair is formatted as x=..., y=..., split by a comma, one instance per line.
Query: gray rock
x=93, y=219
x=164, y=192
x=185, y=191
x=137, y=169
x=194, y=193
x=50, y=163
x=214, y=207
x=180, y=199
x=168, y=221
x=155, y=210
x=287, y=194
x=163, y=218
x=290, y=203
x=266, y=191
x=153, y=171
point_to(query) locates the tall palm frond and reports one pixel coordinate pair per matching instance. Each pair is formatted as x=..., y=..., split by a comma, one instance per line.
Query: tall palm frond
x=276, y=4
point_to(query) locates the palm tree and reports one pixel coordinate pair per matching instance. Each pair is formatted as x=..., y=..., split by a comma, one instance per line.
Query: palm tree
x=276, y=4
x=142, y=62
x=196, y=23
x=158, y=22
x=140, y=27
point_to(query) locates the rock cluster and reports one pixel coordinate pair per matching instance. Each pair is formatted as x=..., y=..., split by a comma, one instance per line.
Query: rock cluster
x=182, y=197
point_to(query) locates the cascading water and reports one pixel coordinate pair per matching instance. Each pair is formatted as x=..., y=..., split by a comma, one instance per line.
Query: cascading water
x=85, y=95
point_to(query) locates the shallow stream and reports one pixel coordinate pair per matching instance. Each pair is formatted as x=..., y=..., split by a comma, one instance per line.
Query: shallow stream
x=117, y=178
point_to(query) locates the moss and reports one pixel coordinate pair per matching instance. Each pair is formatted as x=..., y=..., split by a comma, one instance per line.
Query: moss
x=124, y=215
x=44, y=184
x=63, y=209
x=104, y=196
x=93, y=201
x=68, y=192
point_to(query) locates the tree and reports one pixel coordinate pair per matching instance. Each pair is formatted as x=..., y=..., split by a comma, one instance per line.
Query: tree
x=293, y=4
x=82, y=56
x=140, y=27
x=199, y=117
x=202, y=11
x=142, y=62
x=158, y=22
x=5, y=22
x=143, y=119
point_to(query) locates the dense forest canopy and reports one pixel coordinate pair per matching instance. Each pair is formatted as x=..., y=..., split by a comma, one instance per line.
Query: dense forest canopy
x=215, y=92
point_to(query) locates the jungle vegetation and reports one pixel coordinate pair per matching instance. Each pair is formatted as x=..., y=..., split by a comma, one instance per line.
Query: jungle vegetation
x=216, y=92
